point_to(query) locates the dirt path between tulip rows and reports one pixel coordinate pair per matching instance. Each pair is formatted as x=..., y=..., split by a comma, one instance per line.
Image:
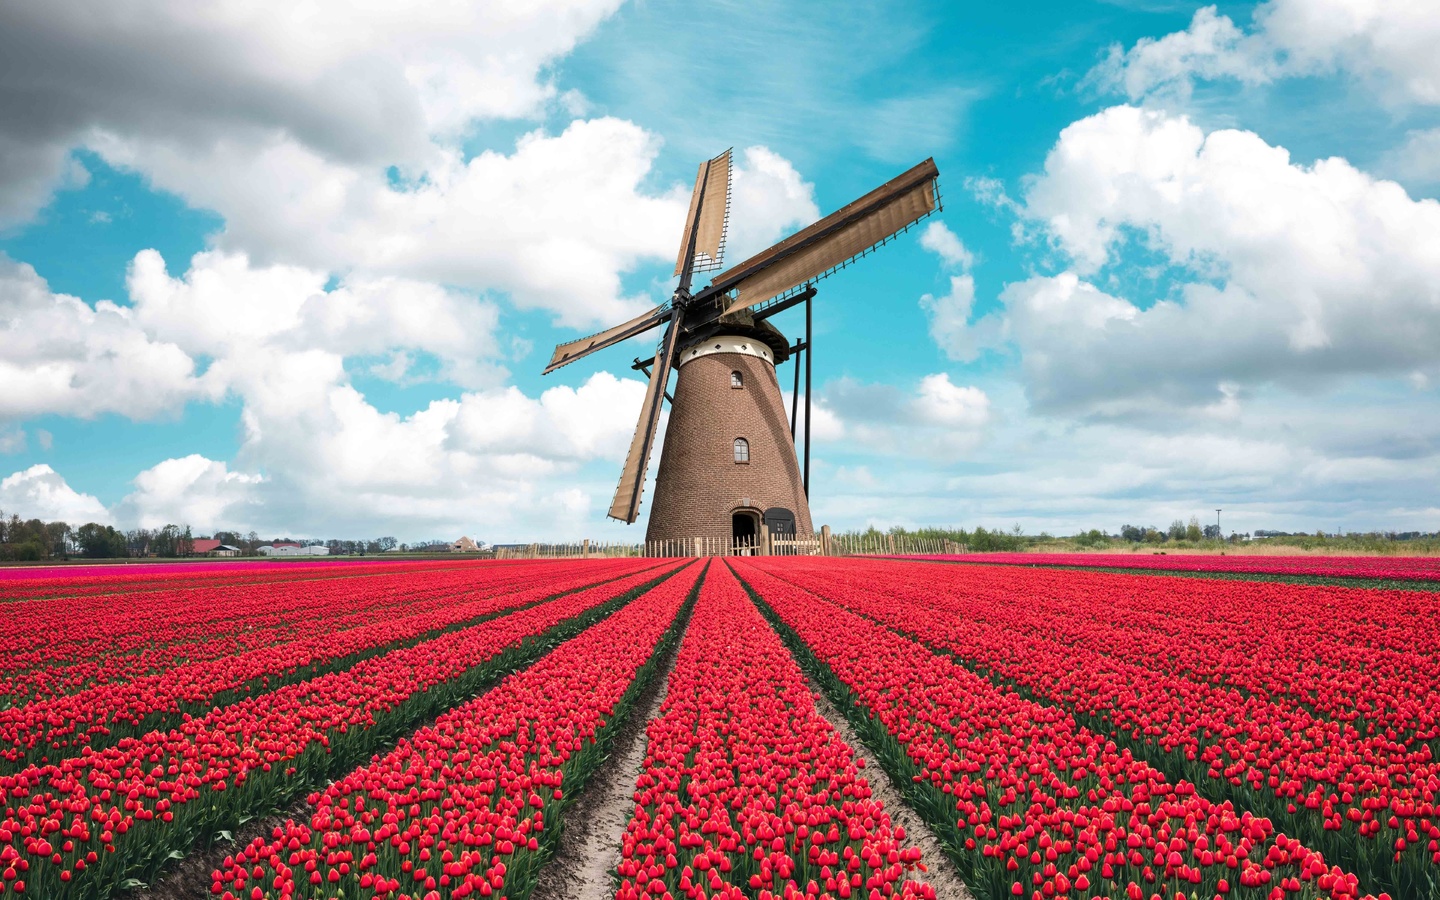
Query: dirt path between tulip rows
x=584, y=864
x=942, y=875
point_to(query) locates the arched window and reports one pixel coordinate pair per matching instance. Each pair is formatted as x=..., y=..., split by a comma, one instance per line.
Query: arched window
x=737, y=380
x=742, y=450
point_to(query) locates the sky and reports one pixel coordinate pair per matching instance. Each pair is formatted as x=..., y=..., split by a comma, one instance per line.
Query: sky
x=296, y=268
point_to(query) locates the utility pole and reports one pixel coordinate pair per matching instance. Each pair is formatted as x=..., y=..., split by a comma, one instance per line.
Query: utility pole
x=1218, y=533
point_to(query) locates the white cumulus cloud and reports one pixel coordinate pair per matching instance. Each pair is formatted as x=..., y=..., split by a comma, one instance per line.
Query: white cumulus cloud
x=58, y=354
x=1297, y=273
x=40, y=493
x=1390, y=43
x=191, y=490
x=368, y=84
x=225, y=307
x=946, y=244
x=949, y=313
x=940, y=402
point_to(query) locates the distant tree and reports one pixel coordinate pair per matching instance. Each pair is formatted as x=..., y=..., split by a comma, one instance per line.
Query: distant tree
x=137, y=541
x=1132, y=533
x=164, y=541
x=1176, y=531
x=387, y=543
x=29, y=551
x=1154, y=536
x=1212, y=532
x=98, y=541
x=1092, y=538
x=1192, y=531
x=58, y=538
x=185, y=543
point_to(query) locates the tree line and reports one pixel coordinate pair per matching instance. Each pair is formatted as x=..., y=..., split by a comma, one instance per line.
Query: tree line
x=1178, y=531
x=33, y=540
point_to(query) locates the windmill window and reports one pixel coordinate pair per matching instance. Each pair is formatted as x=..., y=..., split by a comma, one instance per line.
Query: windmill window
x=737, y=380
x=742, y=451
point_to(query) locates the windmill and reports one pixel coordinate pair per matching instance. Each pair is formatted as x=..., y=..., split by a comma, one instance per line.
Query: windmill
x=729, y=464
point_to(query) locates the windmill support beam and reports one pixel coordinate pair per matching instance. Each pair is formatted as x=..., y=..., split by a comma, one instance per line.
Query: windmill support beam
x=808, y=354
x=782, y=305
x=795, y=352
x=643, y=365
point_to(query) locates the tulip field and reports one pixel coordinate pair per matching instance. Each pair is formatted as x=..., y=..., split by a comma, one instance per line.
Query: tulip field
x=1376, y=568
x=443, y=729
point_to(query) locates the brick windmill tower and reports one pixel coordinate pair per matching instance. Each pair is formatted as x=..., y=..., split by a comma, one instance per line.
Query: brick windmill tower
x=729, y=464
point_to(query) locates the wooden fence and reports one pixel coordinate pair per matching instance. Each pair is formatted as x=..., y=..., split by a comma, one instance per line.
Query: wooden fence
x=879, y=544
x=585, y=549
x=765, y=545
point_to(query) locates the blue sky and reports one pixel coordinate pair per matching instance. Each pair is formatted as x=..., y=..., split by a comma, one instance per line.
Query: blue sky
x=263, y=271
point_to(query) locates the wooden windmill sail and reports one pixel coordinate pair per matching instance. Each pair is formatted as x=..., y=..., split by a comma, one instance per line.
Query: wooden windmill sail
x=724, y=325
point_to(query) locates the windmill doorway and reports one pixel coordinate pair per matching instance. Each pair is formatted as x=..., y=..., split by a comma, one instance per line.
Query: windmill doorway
x=745, y=531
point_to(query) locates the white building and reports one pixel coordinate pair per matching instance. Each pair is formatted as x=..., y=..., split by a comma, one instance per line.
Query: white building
x=294, y=550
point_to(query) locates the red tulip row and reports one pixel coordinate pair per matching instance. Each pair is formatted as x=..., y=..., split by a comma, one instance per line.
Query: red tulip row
x=149, y=632
x=469, y=805
x=1380, y=568
x=84, y=825
x=746, y=791
x=1302, y=730
x=1031, y=802
x=1371, y=657
x=107, y=580
x=104, y=714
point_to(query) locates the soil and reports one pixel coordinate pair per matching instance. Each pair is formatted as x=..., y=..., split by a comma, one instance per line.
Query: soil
x=942, y=875
x=584, y=864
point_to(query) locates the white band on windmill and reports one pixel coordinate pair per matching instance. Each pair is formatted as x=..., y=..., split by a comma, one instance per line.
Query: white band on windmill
x=725, y=343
